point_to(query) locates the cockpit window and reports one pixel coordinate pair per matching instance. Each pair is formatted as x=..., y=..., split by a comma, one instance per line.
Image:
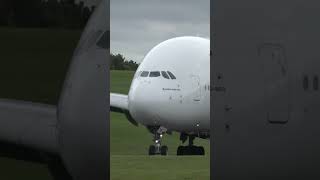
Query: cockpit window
x=171, y=75
x=165, y=75
x=144, y=74
x=154, y=74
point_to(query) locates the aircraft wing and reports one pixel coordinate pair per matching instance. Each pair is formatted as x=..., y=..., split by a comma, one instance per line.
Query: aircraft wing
x=30, y=125
x=119, y=103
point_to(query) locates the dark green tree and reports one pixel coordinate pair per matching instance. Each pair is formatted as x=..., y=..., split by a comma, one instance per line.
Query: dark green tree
x=118, y=62
x=27, y=13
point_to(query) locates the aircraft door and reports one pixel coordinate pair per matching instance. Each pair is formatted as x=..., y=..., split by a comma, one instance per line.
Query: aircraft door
x=196, y=88
x=276, y=82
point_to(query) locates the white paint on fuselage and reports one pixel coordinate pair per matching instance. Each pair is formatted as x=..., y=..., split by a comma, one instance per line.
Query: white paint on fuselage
x=181, y=104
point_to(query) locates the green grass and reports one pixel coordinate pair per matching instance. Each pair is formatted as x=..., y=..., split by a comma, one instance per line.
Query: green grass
x=120, y=81
x=169, y=168
x=129, y=147
x=18, y=170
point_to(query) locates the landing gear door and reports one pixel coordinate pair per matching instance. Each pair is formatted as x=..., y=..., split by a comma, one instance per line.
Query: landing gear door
x=195, y=80
x=276, y=83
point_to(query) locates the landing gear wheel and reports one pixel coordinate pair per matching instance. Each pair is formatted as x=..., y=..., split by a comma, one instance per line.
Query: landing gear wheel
x=201, y=151
x=194, y=150
x=164, y=150
x=152, y=150
x=190, y=149
x=157, y=148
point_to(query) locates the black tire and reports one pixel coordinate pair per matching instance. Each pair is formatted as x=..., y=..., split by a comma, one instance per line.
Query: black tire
x=164, y=150
x=152, y=150
x=192, y=150
x=201, y=151
x=180, y=151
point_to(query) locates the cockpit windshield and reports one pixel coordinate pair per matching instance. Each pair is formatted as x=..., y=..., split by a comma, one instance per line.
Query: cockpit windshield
x=171, y=75
x=164, y=74
x=154, y=74
x=144, y=74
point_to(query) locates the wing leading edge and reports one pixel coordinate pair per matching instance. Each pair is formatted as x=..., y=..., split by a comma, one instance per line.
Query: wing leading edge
x=119, y=103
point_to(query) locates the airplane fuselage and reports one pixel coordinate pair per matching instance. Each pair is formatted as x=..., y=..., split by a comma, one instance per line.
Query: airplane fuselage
x=171, y=86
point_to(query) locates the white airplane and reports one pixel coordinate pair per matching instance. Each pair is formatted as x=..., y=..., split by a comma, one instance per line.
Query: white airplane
x=170, y=91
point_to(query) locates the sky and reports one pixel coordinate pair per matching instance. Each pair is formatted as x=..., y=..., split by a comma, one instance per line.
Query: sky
x=136, y=26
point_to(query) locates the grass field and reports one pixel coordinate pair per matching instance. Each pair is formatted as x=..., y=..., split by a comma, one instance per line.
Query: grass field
x=129, y=147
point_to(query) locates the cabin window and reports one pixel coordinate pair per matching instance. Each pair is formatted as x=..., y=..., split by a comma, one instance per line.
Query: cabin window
x=171, y=75
x=315, y=83
x=154, y=74
x=305, y=83
x=165, y=75
x=144, y=74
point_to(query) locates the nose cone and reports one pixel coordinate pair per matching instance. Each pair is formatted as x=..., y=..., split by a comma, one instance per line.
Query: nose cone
x=150, y=106
x=142, y=103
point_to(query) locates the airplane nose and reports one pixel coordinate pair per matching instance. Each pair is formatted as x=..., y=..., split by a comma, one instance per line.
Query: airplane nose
x=141, y=102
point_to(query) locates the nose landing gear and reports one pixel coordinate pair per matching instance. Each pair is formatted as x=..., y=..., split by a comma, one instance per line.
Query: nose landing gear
x=157, y=148
x=190, y=149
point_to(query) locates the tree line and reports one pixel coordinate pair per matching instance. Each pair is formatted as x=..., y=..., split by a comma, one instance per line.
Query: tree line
x=44, y=13
x=119, y=62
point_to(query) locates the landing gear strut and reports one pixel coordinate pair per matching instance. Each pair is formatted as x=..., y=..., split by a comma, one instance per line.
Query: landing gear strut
x=157, y=148
x=190, y=149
